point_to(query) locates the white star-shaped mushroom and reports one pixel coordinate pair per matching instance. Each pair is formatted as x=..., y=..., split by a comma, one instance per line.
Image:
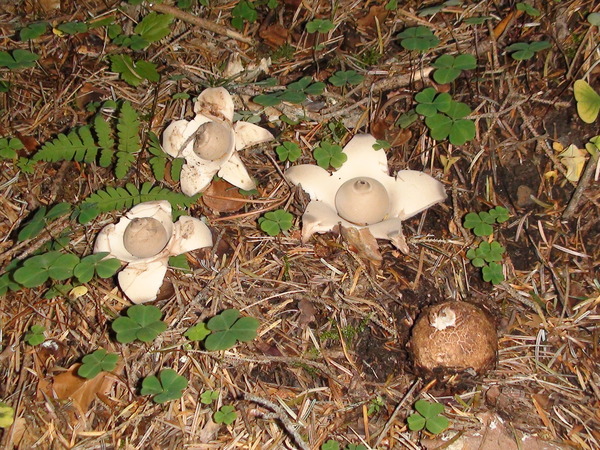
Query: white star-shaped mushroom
x=144, y=239
x=362, y=194
x=209, y=143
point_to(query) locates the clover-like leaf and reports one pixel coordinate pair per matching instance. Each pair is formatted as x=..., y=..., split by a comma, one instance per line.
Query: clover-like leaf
x=528, y=9
x=330, y=445
x=342, y=78
x=227, y=328
x=96, y=264
x=320, y=26
x=7, y=415
x=207, y=397
x=416, y=422
x=35, y=335
x=419, y=38
x=480, y=223
x=133, y=72
x=525, y=50
x=588, y=101
x=96, y=362
x=499, y=214
x=226, y=414
x=243, y=11
x=274, y=222
x=430, y=102
x=197, y=332
x=493, y=273
x=18, y=59
x=329, y=154
x=9, y=147
x=37, y=269
x=449, y=67
x=169, y=385
x=288, y=151
x=33, y=31
x=142, y=323
x=428, y=416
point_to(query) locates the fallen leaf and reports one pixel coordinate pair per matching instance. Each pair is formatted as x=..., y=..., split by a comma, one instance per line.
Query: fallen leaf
x=307, y=312
x=377, y=13
x=82, y=391
x=274, y=35
x=573, y=159
x=222, y=196
x=364, y=244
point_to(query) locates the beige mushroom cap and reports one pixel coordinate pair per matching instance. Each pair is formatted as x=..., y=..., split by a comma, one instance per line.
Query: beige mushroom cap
x=362, y=201
x=453, y=337
x=145, y=237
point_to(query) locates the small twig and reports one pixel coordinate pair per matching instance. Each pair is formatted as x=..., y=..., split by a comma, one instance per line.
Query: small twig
x=203, y=23
x=583, y=183
x=392, y=418
x=281, y=416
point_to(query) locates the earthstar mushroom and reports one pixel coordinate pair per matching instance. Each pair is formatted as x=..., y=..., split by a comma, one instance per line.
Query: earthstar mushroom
x=144, y=239
x=362, y=194
x=210, y=141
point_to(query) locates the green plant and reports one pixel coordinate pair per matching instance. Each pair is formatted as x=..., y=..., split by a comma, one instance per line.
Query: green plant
x=7, y=415
x=227, y=328
x=449, y=67
x=381, y=144
x=111, y=199
x=243, y=11
x=288, y=151
x=406, y=119
x=207, y=397
x=348, y=77
x=133, y=72
x=9, y=147
x=72, y=27
x=375, y=405
x=80, y=145
x=322, y=26
x=32, y=31
x=452, y=124
x=430, y=102
x=142, y=323
x=428, y=416
x=36, y=270
x=588, y=101
x=528, y=9
x=152, y=28
x=594, y=19
x=328, y=154
x=478, y=20
x=96, y=362
x=226, y=414
x=18, y=59
x=274, y=222
x=295, y=92
x=493, y=273
x=330, y=445
x=41, y=218
x=197, y=332
x=167, y=386
x=525, y=50
x=419, y=39
x=35, y=335
x=98, y=264
x=486, y=252
x=481, y=223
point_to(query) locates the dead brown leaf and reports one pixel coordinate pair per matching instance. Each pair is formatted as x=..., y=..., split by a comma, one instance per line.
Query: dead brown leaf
x=274, y=35
x=376, y=14
x=364, y=244
x=68, y=385
x=222, y=196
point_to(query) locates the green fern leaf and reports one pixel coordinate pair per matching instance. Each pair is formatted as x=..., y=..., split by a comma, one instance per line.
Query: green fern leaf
x=128, y=128
x=159, y=159
x=78, y=145
x=105, y=140
x=112, y=199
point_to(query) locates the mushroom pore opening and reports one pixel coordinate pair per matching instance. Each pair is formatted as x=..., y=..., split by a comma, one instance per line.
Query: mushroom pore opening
x=213, y=140
x=362, y=201
x=145, y=237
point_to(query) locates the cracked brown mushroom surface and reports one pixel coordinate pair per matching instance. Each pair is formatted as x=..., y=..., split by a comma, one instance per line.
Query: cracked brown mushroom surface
x=453, y=337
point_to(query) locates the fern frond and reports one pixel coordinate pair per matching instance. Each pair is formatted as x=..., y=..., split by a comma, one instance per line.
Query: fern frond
x=159, y=159
x=128, y=128
x=105, y=140
x=78, y=145
x=111, y=199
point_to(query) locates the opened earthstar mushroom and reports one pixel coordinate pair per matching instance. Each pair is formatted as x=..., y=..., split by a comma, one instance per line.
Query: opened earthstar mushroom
x=144, y=239
x=453, y=337
x=362, y=194
x=209, y=143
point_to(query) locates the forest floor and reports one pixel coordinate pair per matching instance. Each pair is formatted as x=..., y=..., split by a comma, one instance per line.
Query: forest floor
x=330, y=363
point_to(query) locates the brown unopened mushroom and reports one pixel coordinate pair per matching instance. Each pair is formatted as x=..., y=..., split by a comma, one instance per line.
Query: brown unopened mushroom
x=453, y=337
x=213, y=140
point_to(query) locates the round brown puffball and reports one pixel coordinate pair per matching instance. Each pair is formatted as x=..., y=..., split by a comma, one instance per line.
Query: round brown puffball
x=453, y=337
